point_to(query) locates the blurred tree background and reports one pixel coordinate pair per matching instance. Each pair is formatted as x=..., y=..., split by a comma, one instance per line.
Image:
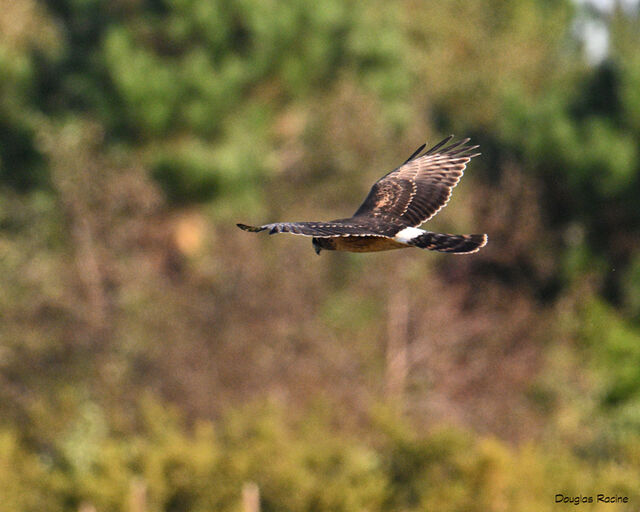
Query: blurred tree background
x=155, y=358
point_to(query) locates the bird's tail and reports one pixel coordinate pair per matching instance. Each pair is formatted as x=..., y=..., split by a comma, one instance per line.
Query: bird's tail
x=460, y=244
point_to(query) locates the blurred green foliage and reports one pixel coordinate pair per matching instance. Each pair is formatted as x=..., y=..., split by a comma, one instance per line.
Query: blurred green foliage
x=297, y=466
x=135, y=322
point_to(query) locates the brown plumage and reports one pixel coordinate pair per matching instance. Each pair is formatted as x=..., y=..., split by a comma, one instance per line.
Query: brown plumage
x=396, y=204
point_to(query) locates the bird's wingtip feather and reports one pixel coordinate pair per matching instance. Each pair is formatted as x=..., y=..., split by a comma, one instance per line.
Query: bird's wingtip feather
x=253, y=229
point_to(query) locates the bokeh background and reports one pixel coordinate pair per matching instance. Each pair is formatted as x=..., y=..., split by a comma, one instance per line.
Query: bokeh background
x=153, y=357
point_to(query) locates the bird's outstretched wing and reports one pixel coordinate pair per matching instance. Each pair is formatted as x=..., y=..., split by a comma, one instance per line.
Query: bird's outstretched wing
x=418, y=189
x=325, y=229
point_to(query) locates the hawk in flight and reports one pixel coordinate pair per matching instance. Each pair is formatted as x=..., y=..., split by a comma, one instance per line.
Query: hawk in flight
x=397, y=204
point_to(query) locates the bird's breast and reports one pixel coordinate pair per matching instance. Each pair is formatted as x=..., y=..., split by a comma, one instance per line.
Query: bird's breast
x=365, y=244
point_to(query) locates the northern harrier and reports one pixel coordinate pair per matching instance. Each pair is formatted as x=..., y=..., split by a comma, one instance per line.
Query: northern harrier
x=396, y=205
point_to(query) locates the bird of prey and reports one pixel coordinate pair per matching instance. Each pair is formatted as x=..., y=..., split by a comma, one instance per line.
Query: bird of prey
x=397, y=204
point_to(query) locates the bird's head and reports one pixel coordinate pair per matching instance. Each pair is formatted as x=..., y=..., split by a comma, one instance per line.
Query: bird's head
x=328, y=244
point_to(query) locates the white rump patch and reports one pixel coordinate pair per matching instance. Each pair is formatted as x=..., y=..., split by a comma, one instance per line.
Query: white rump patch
x=408, y=234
